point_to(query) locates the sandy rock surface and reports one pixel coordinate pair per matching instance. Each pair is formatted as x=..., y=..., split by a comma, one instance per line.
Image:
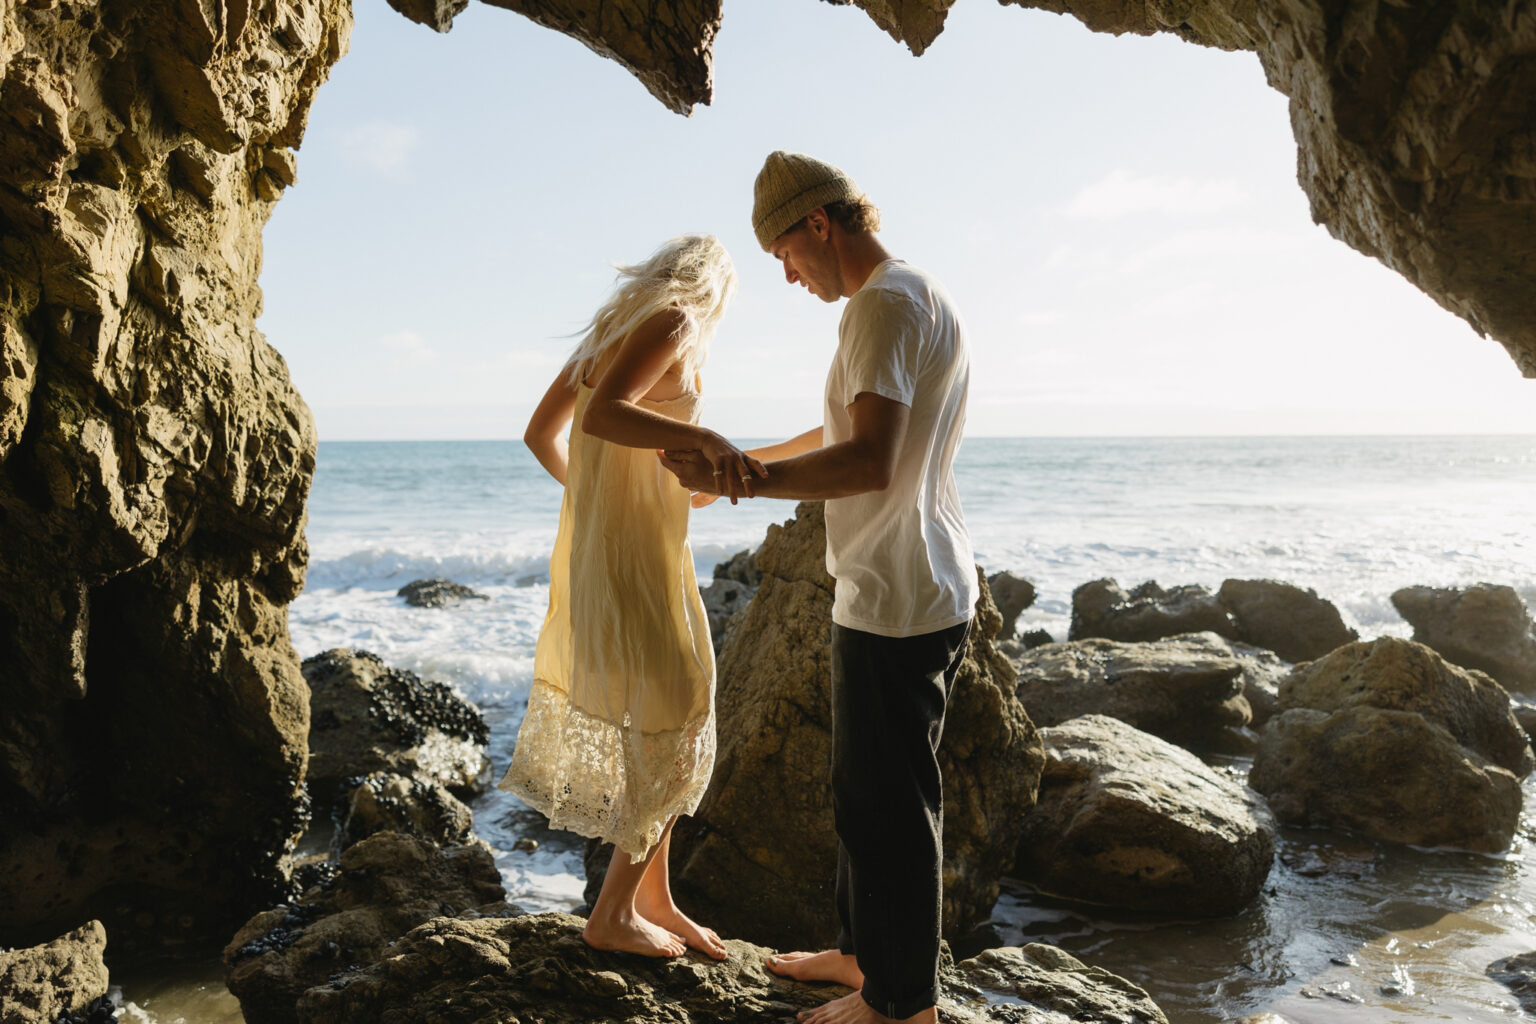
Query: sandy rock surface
x=40, y=984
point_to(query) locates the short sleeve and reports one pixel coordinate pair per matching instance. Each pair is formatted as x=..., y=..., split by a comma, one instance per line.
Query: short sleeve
x=880, y=339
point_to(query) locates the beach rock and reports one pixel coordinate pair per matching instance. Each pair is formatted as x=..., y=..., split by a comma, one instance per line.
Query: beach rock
x=387, y=885
x=1186, y=689
x=384, y=802
x=1518, y=974
x=741, y=567
x=1388, y=740
x=1294, y=623
x=157, y=460
x=723, y=599
x=368, y=717
x=1263, y=672
x=44, y=983
x=437, y=593
x=1525, y=713
x=1103, y=609
x=1012, y=594
x=1486, y=627
x=1035, y=638
x=536, y=967
x=763, y=868
x=1128, y=820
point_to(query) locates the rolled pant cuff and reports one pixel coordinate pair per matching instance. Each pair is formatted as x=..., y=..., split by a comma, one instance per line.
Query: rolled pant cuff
x=899, y=1009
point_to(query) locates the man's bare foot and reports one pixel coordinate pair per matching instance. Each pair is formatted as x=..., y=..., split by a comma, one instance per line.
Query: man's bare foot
x=632, y=934
x=852, y=1009
x=828, y=965
x=686, y=928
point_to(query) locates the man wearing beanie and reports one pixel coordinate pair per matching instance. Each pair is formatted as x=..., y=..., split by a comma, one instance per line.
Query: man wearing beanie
x=906, y=579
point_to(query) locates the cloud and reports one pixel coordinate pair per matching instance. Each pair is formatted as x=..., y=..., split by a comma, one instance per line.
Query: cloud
x=386, y=146
x=412, y=350
x=1123, y=193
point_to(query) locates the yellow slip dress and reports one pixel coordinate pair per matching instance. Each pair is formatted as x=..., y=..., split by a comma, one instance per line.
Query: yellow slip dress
x=620, y=730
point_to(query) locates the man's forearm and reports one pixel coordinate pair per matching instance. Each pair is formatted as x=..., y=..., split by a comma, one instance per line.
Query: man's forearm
x=836, y=471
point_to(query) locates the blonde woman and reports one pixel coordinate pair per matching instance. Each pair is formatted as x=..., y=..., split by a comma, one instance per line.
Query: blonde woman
x=619, y=737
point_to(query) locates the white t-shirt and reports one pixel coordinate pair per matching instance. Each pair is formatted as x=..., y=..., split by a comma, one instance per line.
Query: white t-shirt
x=902, y=557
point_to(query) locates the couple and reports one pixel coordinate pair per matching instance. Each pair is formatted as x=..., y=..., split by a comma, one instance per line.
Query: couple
x=619, y=737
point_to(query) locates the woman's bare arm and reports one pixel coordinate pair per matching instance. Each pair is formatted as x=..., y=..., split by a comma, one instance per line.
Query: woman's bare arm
x=546, y=432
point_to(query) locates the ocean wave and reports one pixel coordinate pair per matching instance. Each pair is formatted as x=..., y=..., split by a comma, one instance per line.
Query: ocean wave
x=381, y=567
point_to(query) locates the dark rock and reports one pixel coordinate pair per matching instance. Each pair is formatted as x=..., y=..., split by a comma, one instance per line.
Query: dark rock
x=1518, y=974
x=536, y=967
x=1186, y=689
x=387, y=885
x=1388, y=740
x=1035, y=638
x=1128, y=820
x=64, y=977
x=1102, y=609
x=437, y=593
x=723, y=600
x=1013, y=594
x=741, y=567
x=1485, y=627
x=759, y=857
x=384, y=802
x=368, y=717
x=1263, y=672
x=1294, y=623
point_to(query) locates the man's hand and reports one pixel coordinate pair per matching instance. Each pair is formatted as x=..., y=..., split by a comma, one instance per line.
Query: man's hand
x=694, y=471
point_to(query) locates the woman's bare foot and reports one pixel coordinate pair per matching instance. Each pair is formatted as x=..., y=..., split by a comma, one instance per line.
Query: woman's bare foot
x=828, y=965
x=632, y=934
x=690, y=931
x=852, y=1009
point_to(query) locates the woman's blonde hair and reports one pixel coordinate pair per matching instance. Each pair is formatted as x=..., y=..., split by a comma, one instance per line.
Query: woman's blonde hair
x=690, y=273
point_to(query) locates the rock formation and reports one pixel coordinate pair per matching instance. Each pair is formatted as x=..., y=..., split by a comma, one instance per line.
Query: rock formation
x=1291, y=621
x=1103, y=609
x=1186, y=689
x=765, y=868
x=1388, y=740
x=1127, y=820
x=385, y=802
x=154, y=462
x=43, y=984
x=437, y=593
x=536, y=967
x=1485, y=626
x=1013, y=594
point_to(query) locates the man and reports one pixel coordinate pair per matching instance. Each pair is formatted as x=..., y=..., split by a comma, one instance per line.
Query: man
x=906, y=579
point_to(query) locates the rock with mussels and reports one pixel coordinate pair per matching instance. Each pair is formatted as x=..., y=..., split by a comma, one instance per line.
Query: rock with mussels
x=56, y=980
x=1388, y=740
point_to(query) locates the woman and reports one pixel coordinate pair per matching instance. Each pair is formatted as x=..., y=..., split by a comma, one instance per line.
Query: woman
x=619, y=737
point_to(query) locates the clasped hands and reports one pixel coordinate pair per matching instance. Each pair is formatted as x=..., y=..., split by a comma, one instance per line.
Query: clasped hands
x=719, y=469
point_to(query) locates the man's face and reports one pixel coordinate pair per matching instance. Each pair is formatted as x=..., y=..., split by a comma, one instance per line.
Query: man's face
x=809, y=259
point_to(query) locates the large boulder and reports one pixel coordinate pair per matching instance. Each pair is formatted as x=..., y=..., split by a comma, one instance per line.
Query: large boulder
x=1102, y=608
x=1186, y=689
x=760, y=856
x=385, y=802
x=1128, y=820
x=1388, y=740
x=536, y=967
x=368, y=717
x=387, y=885
x=1012, y=594
x=1291, y=621
x=1485, y=626
x=157, y=459
x=41, y=984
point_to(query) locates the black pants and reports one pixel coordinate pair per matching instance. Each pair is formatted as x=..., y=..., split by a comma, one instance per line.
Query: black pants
x=888, y=698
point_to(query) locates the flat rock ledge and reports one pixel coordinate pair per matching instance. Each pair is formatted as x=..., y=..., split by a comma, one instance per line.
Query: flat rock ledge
x=536, y=968
x=41, y=984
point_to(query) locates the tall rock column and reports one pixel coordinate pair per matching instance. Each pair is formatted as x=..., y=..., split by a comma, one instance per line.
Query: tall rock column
x=154, y=461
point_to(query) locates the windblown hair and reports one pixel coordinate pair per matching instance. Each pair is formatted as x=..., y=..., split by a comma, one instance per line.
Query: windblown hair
x=691, y=273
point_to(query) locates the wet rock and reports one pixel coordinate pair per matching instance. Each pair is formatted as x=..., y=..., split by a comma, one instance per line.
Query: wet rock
x=387, y=885
x=368, y=717
x=1103, y=609
x=1518, y=974
x=157, y=462
x=1525, y=713
x=759, y=857
x=1012, y=594
x=1486, y=627
x=1388, y=740
x=437, y=593
x=384, y=802
x=44, y=983
x=741, y=567
x=537, y=967
x=1128, y=820
x=723, y=600
x=1294, y=623
x=1186, y=689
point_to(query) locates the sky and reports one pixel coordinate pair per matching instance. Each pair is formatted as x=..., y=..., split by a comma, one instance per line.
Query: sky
x=1118, y=220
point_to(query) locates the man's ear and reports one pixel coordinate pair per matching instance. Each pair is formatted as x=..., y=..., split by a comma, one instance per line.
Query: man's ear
x=819, y=223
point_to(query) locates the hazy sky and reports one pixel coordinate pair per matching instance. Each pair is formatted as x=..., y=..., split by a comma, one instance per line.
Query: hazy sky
x=1118, y=220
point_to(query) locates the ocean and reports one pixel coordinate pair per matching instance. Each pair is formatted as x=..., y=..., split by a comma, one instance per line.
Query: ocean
x=1354, y=518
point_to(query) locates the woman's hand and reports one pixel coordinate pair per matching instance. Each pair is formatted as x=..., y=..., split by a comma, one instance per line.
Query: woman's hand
x=732, y=468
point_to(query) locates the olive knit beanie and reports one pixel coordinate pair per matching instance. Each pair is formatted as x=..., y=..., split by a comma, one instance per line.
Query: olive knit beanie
x=791, y=185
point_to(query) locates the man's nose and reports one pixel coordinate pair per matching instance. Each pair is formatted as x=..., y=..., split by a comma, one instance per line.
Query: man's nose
x=789, y=274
